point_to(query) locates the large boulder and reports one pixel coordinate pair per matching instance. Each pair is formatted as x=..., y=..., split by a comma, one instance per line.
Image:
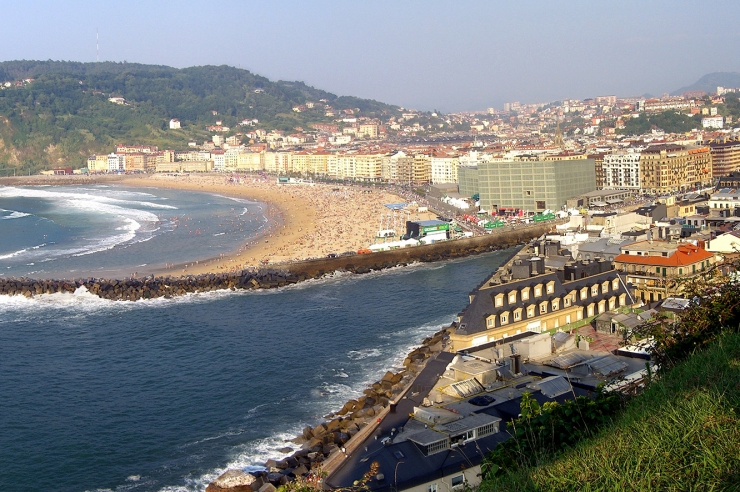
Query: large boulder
x=233, y=481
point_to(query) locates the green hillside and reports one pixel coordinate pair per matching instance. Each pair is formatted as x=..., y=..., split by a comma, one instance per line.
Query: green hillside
x=64, y=115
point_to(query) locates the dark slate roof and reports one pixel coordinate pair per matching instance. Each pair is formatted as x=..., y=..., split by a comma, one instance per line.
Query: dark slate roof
x=473, y=318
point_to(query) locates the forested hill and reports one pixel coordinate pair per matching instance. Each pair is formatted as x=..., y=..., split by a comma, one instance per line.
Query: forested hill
x=63, y=114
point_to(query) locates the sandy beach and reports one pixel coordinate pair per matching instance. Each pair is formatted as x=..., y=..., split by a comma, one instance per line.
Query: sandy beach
x=306, y=220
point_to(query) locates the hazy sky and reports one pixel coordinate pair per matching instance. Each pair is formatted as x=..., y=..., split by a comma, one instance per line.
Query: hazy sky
x=452, y=56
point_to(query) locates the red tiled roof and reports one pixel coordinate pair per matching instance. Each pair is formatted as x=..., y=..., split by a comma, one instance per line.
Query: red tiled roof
x=685, y=254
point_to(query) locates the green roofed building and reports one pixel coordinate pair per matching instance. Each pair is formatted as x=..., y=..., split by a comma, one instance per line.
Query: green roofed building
x=534, y=183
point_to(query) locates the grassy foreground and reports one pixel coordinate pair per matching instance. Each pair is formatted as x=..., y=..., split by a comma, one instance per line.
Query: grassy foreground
x=683, y=433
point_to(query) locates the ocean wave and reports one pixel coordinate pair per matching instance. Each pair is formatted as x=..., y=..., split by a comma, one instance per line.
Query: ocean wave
x=249, y=456
x=14, y=214
x=13, y=192
x=21, y=251
x=362, y=354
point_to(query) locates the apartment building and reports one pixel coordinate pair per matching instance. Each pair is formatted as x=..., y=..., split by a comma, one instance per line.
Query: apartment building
x=250, y=161
x=670, y=168
x=97, y=164
x=725, y=158
x=278, y=162
x=116, y=162
x=621, y=170
x=444, y=168
x=654, y=267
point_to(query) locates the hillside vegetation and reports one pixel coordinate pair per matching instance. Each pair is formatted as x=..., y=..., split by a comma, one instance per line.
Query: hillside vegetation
x=64, y=115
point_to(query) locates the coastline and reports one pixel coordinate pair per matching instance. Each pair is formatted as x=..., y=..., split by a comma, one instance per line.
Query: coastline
x=282, y=215
x=304, y=221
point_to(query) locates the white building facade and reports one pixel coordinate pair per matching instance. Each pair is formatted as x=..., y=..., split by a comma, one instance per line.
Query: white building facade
x=622, y=171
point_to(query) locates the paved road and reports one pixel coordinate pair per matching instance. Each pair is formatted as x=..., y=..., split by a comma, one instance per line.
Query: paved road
x=352, y=468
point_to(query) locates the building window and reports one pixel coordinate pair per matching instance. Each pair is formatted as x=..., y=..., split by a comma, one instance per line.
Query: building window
x=525, y=294
x=543, y=308
x=550, y=288
x=517, y=315
x=530, y=312
x=512, y=298
x=555, y=304
x=566, y=301
x=499, y=301
x=595, y=290
x=538, y=291
x=584, y=293
x=432, y=487
x=615, y=284
x=504, y=319
x=457, y=480
x=528, y=192
x=490, y=322
x=487, y=430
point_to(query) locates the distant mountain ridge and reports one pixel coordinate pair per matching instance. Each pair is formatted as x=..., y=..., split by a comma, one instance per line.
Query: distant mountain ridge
x=710, y=82
x=64, y=115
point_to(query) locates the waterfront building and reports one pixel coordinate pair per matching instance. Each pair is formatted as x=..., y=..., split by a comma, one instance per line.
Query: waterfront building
x=534, y=183
x=368, y=167
x=278, y=162
x=621, y=170
x=670, y=168
x=444, y=168
x=116, y=162
x=467, y=177
x=250, y=161
x=219, y=160
x=231, y=159
x=529, y=298
x=655, y=266
x=97, y=163
x=725, y=158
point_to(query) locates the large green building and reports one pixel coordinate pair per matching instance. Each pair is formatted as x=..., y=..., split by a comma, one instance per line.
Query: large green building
x=467, y=180
x=534, y=185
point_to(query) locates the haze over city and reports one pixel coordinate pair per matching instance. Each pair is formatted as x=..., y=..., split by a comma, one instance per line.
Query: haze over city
x=423, y=55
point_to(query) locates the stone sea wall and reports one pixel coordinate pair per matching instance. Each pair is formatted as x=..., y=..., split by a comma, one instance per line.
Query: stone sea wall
x=133, y=289
x=321, y=446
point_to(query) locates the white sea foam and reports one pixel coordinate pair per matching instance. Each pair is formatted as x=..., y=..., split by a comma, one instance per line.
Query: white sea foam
x=363, y=354
x=133, y=219
x=21, y=251
x=14, y=214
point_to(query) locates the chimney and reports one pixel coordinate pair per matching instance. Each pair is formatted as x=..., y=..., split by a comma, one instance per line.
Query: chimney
x=516, y=366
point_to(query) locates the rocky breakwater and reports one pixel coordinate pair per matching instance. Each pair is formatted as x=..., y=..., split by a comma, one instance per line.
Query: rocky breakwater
x=323, y=446
x=151, y=287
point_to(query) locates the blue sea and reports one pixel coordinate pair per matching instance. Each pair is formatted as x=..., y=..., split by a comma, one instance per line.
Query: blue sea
x=166, y=394
x=105, y=231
